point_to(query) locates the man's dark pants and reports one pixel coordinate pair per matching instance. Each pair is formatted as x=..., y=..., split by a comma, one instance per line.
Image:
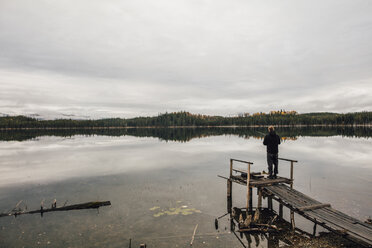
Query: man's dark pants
x=272, y=159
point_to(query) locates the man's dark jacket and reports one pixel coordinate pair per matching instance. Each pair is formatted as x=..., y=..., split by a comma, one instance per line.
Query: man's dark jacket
x=272, y=140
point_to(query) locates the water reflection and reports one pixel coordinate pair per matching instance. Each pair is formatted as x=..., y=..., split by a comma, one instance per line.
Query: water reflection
x=139, y=172
x=187, y=134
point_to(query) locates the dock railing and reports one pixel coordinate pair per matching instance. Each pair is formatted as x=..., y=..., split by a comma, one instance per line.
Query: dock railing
x=249, y=188
x=291, y=169
x=281, y=190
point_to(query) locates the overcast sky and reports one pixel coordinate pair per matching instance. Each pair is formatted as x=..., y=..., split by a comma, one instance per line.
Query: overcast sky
x=94, y=58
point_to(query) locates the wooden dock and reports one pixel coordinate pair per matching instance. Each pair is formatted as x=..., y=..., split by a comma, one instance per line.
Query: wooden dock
x=281, y=190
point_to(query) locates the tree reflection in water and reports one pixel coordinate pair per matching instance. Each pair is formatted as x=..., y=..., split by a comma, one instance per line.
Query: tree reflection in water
x=187, y=134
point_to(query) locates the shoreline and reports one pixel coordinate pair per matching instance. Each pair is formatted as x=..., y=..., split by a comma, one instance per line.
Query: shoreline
x=189, y=127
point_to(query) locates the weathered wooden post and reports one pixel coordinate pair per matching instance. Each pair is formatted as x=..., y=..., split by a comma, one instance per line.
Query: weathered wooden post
x=314, y=229
x=291, y=169
x=292, y=174
x=248, y=187
x=259, y=205
x=269, y=202
x=229, y=188
x=259, y=202
x=293, y=221
x=229, y=195
x=250, y=199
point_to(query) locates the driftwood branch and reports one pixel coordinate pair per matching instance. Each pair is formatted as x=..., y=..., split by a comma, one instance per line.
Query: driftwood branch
x=193, y=235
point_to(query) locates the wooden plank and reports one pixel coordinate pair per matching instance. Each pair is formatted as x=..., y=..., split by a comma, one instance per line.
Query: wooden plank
x=239, y=180
x=241, y=161
x=348, y=218
x=293, y=192
x=267, y=182
x=350, y=222
x=320, y=213
x=238, y=170
x=339, y=215
x=223, y=177
x=327, y=217
x=328, y=225
x=292, y=199
x=289, y=160
x=243, y=171
x=315, y=206
x=291, y=196
x=338, y=225
x=351, y=227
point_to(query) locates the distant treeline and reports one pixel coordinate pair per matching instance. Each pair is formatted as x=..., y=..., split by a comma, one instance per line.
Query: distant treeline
x=187, y=134
x=187, y=119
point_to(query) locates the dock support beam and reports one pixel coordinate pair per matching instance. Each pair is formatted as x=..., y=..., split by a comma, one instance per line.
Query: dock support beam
x=292, y=174
x=248, y=188
x=259, y=202
x=229, y=188
x=269, y=202
x=229, y=195
x=250, y=199
x=293, y=221
x=291, y=170
x=314, y=229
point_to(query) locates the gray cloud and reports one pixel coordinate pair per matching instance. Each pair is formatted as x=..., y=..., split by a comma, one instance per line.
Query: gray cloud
x=129, y=58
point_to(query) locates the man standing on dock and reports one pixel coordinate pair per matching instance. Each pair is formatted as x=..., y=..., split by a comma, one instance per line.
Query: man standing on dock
x=271, y=141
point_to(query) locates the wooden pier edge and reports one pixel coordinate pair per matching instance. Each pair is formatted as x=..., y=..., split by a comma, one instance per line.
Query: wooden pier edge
x=317, y=222
x=319, y=213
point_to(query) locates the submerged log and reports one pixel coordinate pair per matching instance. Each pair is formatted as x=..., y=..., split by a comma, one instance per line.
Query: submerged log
x=87, y=205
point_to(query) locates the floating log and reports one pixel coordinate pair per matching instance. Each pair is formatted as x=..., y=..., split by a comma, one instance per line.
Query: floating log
x=87, y=205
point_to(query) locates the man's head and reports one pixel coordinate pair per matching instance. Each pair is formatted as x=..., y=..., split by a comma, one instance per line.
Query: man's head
x=271, y=129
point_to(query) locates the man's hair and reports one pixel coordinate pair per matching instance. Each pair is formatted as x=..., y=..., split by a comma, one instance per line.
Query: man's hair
x=270, y=128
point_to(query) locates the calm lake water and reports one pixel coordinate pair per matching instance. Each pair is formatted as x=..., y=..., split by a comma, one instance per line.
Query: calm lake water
x=162, y=183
